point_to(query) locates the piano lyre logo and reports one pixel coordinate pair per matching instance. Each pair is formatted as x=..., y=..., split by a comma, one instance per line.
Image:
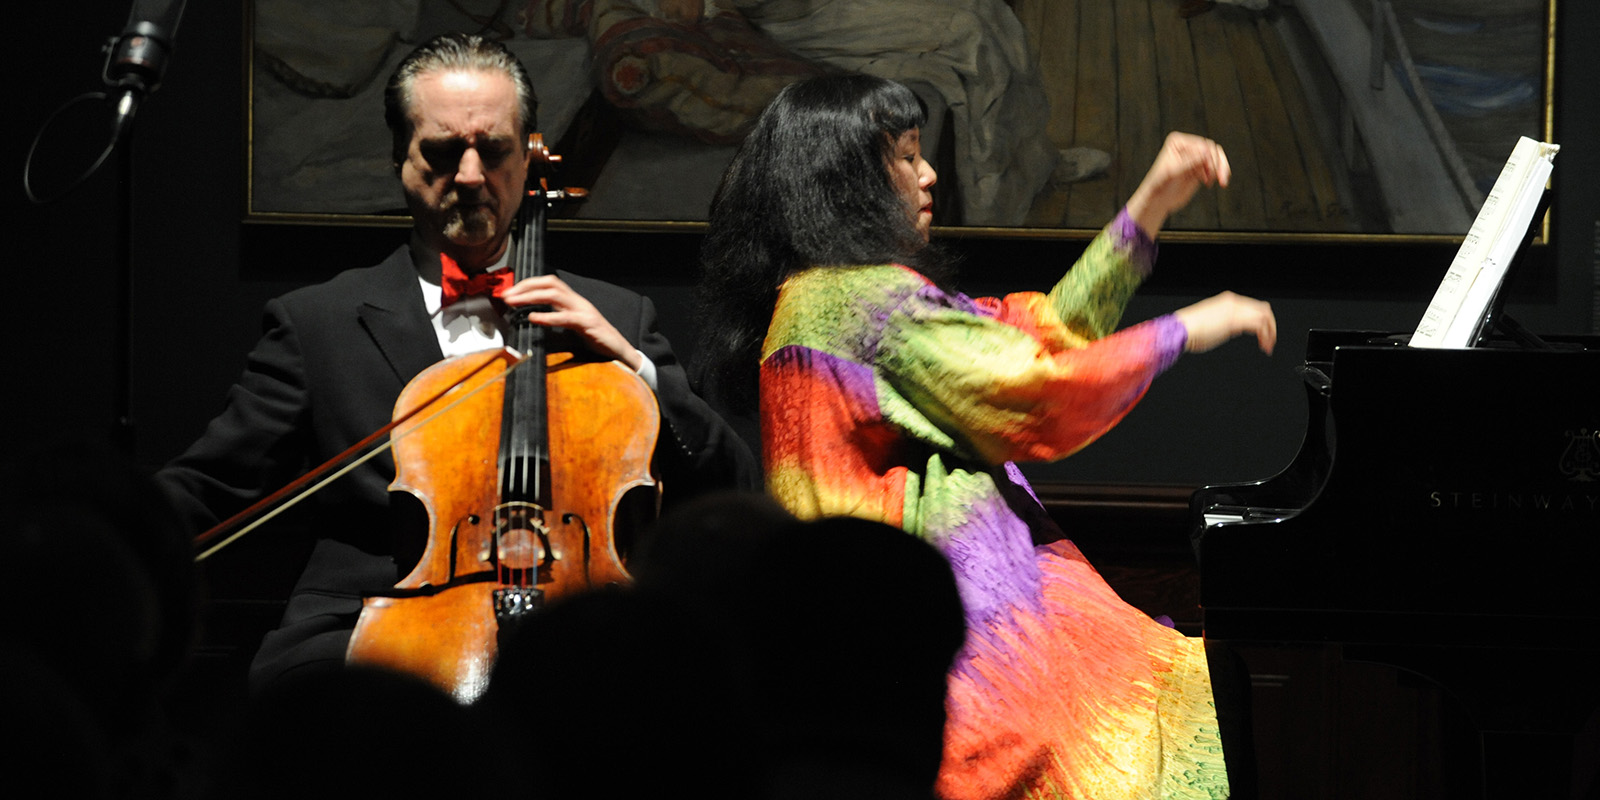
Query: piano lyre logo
x=1581, y=461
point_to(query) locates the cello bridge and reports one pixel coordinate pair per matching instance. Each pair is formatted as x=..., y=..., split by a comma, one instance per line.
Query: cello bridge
x=521, y=538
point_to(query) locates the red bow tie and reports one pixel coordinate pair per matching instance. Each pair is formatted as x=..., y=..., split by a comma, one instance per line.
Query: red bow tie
x=455, y=284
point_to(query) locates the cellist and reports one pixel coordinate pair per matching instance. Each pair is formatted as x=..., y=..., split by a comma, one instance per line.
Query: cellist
x=333, y=357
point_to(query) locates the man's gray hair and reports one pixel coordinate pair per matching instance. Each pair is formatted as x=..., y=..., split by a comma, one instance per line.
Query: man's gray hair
x=452, y=51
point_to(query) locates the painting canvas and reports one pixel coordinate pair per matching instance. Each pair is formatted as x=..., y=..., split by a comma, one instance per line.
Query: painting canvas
x=1340, y=117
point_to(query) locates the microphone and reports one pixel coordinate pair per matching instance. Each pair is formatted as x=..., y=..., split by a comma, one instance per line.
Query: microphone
x=137, y=59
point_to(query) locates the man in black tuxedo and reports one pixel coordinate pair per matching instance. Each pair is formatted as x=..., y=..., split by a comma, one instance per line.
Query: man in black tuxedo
x=335, y=356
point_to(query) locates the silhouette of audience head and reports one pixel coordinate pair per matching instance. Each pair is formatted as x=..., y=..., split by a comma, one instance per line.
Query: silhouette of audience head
x=97, y=573
x=619, y=694
x=848, y=626
x=707, y=550
x=99, y=595
x=854, y=626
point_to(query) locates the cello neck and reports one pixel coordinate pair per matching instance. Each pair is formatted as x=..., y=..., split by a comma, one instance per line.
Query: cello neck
x=524, y=429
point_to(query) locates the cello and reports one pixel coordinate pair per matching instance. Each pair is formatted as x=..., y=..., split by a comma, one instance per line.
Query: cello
x=521, y=457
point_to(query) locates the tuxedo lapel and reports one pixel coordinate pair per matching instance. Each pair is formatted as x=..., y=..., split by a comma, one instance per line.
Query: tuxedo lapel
x=393, y=315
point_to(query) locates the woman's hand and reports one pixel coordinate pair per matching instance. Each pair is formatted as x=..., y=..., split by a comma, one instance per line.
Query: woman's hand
x=1216, y=320
x=1186, y=162
x=572, y=311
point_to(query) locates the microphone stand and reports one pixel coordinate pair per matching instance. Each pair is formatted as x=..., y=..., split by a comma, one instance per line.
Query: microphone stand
x=138, y=59
x=122, y=432
x=135, y=61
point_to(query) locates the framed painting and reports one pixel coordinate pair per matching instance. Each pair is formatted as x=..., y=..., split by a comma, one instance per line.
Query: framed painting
x=1363, y=119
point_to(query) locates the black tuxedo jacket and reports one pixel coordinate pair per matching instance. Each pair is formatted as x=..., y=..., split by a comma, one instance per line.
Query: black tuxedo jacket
x=331, y=362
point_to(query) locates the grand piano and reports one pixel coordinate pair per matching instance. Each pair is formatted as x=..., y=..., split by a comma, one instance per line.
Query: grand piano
x=1442, y=516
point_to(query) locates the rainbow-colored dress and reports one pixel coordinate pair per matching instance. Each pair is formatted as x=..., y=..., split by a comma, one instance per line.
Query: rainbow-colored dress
x=885, y=397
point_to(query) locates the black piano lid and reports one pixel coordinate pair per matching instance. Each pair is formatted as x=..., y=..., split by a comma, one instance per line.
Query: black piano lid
x=1453, y=493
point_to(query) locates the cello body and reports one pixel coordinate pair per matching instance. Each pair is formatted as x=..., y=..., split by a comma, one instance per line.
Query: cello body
x=440, y=623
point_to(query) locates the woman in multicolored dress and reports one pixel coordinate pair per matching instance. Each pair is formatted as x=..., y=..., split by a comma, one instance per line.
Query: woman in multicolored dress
x=885, y=394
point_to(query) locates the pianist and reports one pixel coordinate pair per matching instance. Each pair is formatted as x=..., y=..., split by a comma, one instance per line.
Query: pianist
x=884, y=394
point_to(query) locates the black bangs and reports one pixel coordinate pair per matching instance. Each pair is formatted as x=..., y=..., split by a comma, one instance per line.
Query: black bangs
x=897, y=109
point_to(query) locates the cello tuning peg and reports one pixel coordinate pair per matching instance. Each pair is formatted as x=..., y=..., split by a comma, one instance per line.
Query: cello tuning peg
x=569, y=193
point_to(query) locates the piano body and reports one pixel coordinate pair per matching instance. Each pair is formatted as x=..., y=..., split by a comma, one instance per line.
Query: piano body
x=1442, y=516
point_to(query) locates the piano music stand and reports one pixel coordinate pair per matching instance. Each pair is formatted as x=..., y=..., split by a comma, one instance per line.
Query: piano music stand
x=1496, y=318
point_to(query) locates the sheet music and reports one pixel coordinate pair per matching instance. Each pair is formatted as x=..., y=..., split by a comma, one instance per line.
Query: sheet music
x=1469, y=286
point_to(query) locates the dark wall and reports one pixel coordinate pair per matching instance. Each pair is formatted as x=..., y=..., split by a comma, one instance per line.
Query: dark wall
x=200, y=275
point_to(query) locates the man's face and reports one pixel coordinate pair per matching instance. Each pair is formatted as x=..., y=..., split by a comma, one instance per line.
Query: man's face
x=465, y=169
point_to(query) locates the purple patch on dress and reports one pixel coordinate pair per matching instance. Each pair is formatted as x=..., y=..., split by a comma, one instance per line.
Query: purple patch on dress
x=991, y=553
x=1129, y=235
x=853, y=380
x=1169, y=340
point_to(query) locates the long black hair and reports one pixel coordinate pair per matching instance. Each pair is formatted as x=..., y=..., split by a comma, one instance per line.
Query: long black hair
x=809, y=187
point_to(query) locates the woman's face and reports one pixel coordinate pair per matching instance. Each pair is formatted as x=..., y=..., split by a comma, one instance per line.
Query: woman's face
x=913, y=179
